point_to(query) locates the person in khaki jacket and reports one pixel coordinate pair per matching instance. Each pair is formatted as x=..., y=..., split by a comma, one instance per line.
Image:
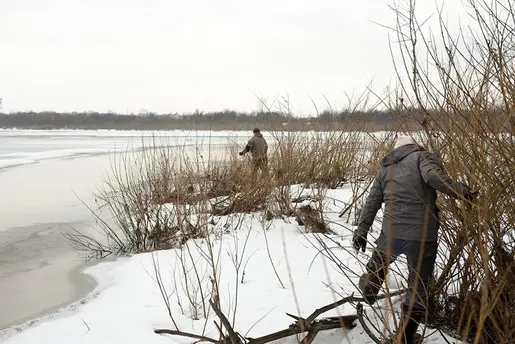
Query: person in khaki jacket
x=258, y=147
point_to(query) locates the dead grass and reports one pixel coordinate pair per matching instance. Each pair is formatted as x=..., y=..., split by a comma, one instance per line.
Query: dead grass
x=467, y=98
x=154, y=199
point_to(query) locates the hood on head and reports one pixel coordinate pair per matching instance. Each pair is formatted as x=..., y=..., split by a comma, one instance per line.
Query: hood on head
x=400, y=153
x=404, y=140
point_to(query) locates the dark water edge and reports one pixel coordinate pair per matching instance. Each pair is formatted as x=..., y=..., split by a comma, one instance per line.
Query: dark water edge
x=39, y=272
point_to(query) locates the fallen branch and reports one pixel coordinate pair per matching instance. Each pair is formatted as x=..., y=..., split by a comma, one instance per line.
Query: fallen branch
x=312, y=328
x=328, y=307
x=303, y=198
x=235, y=339
x=301, y=325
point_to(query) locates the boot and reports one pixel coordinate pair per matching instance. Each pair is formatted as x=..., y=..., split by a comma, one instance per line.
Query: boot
x=371, y=281
x=369, y=284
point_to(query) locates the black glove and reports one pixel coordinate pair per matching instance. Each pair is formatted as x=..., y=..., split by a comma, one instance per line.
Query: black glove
x=359, y=239
x=470, y=195
x=241, y=153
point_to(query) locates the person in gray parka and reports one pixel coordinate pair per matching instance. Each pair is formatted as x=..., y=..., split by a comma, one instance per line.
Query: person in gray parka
x=406, y=183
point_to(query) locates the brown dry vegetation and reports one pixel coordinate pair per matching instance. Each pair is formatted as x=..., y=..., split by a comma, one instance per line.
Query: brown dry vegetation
x=153, y=196
x=470, y=82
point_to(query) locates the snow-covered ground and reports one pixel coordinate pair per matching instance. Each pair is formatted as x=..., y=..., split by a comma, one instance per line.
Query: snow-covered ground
x=280, y=271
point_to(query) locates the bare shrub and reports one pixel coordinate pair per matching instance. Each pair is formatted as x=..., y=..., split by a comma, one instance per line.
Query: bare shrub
x=466, y=94
x=132, y=215
x=319, y=158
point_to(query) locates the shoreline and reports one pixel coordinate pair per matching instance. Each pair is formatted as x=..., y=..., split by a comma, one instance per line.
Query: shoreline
x=41, y=273
x=85, y=287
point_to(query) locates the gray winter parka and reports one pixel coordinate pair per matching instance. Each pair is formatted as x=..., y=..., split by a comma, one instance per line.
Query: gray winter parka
x=407, y=184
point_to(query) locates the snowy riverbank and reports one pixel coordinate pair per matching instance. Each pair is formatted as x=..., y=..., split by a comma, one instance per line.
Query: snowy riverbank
x=127, y=305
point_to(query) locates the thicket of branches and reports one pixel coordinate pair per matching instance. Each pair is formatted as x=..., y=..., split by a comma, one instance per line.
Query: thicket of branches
x=162, y=196
x=470, y=78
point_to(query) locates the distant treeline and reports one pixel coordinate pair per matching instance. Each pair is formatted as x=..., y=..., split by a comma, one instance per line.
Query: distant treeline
x=222, y=120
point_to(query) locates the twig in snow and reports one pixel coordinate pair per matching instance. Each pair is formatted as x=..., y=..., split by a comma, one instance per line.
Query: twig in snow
x=86, y=324
x=270, y=257
x=186, y=334
x=245, y=266
x=257, y=322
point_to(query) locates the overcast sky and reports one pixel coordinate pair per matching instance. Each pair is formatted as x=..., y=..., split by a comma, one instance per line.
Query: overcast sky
x=178, y=56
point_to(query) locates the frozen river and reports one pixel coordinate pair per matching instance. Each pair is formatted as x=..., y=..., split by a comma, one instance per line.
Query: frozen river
x=44, y=178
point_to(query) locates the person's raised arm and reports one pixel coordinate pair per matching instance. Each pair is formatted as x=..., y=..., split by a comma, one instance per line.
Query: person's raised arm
x=248, y=147
x=434, y=175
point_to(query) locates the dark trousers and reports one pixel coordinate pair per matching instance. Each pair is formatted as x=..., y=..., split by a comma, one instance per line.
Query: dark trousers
x=260, y=163
x=421, y=258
